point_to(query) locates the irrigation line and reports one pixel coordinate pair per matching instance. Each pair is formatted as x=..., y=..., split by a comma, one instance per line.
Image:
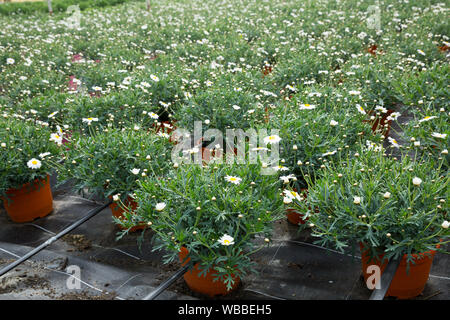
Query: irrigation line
x=163, y=286
x=44, y=245
x=39, y=227
x=264, y=294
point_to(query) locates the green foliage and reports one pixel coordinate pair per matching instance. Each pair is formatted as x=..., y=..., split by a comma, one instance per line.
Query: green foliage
x=103, y=162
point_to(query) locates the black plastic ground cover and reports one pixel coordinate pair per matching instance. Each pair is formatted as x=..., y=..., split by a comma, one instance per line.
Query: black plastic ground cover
x=54, y=238
x=290, y=268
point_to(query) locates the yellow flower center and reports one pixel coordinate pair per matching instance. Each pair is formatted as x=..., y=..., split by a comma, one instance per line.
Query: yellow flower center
x=226, y=241
x=34, y=162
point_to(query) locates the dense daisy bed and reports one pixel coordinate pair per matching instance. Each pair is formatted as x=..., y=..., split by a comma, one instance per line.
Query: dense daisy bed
x=352, y=95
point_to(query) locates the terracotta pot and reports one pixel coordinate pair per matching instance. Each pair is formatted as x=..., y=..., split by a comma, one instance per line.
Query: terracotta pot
x=266, y=70
x=33, y=200
x=205, y=284
x=118, y=212
x=293, y=215
x=404, y=285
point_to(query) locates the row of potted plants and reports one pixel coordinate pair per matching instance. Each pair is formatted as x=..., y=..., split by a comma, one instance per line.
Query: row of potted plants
x=346, y=191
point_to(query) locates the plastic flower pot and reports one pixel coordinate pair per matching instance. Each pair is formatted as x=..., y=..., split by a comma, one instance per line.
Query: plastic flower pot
x=118, y=212
x=33, y=200
x=205, y=284
x=293, y=215
x=404, y=285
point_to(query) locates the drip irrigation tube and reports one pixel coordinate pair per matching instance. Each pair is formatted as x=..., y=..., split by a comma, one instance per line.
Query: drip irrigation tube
x=163, y=286
x=386, y=279
x=74, y=225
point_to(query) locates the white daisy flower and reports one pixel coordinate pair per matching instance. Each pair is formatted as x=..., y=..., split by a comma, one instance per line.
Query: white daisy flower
x=272, y=139
x=280, y=168
x=89, y=120
x=226, y=240
x=307, y=106
x=360, y=109
x=393, y=116
x=421, y=52
x=439, y=135
x=135, y=171
x=10, y=61
x=333, y=123
x=160, y=206
x=233, y=179
x=393, y=142
x=373, y=146
x=287, y=200
x=329, y=153
x=286, y=179
x=153, y=115
x=416, y=181
x=381, y=109
x=163, y=134
x=56, y=138
x=292, y=195
x=154, y=78
x=51, y=115
x=34, y=163
x=427, y=118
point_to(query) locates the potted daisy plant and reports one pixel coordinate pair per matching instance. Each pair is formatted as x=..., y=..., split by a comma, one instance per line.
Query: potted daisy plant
x=391, y=208
x=206, y=216
x=109, y=162
x=26, y=160
x=312, y=136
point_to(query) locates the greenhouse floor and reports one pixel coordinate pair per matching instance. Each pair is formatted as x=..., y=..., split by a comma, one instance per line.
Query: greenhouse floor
x=291, y=268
